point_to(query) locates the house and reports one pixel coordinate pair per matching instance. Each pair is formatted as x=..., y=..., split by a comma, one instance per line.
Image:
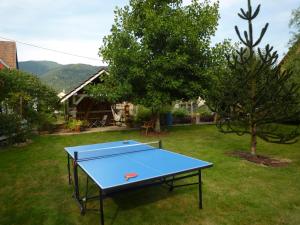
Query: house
x=8, y=55
x=80, y=106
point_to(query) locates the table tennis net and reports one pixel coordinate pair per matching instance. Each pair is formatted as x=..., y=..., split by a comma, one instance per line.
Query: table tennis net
x=126, y=148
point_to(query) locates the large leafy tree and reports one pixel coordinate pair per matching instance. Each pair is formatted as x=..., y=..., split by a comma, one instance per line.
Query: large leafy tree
x=292, y=60
x=252, y=95
x=159, y=51
x=295, y=24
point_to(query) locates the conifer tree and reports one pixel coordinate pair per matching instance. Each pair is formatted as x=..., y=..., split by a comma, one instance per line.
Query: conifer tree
x=254, y=96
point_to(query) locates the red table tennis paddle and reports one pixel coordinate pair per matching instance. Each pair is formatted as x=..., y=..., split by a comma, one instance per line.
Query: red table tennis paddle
x=130, y=175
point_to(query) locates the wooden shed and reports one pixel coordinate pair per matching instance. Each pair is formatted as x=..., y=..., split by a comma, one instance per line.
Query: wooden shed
x=79, y=105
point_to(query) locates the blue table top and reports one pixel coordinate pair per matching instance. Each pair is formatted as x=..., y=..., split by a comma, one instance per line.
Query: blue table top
x=109, y=172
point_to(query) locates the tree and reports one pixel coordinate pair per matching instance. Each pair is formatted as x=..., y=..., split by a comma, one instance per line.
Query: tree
x=253, y=96
x=291, y=60
x=24, y=97
x=159, y=51
x=295, y=23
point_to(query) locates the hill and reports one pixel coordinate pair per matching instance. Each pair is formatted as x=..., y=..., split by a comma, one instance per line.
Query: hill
x=38, y=67
x=67, y=77
x=60, y=77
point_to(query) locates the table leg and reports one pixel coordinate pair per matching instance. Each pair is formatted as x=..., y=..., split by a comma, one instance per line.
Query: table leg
x=172, y=184
x=86, y=192
x=69, y=169
x=200, y=189
x=101, y=208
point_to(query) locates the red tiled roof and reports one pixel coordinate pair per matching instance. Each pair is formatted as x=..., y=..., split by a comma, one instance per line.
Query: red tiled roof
x=8, y=53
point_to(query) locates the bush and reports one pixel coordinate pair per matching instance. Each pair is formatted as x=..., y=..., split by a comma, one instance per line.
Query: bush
x=25, y=103
x=206, y=115
x=73, y=124
x=76, y=125
x=180, y=113
x=46, y=122
x=13, y=128
x=204, y=111
x=143, y=114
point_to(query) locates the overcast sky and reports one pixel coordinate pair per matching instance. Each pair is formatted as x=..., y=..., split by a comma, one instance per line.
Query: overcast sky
x=78, y=26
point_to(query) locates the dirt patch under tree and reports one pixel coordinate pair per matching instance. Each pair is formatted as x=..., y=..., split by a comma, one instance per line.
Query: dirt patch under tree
x=259, y=159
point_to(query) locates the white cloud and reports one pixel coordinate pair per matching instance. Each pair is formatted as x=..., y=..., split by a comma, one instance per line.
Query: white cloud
x=78, y=26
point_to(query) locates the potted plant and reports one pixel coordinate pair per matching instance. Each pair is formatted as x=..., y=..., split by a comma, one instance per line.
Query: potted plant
x=74, y=125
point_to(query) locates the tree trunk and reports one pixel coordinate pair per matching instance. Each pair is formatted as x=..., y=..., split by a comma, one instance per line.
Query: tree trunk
x=253, y=139
x=157, y=123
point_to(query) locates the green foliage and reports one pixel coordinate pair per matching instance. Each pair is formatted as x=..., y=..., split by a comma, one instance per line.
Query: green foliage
x=253, y=94
x=295, y=24
x=159, y=51
x=292, y=61
x=143, y=114
x=204, y=111
x=180, y=113
x=24, y=95
x=46, y=122
x=13, y=128
x=111, y=91
x=74, y=124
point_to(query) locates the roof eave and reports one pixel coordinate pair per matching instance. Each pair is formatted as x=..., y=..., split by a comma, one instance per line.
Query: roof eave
x=85, y=83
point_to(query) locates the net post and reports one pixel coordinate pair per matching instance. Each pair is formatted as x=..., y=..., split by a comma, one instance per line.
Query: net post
x=160, y=144
x=76, y=156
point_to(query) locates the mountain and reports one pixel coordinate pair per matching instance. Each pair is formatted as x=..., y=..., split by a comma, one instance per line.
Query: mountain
x=38, y=67
x=67, y=77
x=59, y=77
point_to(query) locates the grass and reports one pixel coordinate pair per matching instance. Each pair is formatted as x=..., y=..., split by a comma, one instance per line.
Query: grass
x=34, y=189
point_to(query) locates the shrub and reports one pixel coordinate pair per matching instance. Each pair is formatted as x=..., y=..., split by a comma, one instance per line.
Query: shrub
x=180, y=113
x=46, y=122
x=204, y=111
x=24, y=102
x=74, y=124
x=143, y=114
x=13, y=128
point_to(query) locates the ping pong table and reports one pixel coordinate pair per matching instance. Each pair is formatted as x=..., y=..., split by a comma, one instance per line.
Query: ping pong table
x=107, y=164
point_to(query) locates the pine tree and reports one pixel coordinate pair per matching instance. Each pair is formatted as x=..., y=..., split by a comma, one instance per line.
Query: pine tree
x=254, y=96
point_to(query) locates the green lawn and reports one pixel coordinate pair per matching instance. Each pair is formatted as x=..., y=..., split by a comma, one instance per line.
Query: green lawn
x=34, y=188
